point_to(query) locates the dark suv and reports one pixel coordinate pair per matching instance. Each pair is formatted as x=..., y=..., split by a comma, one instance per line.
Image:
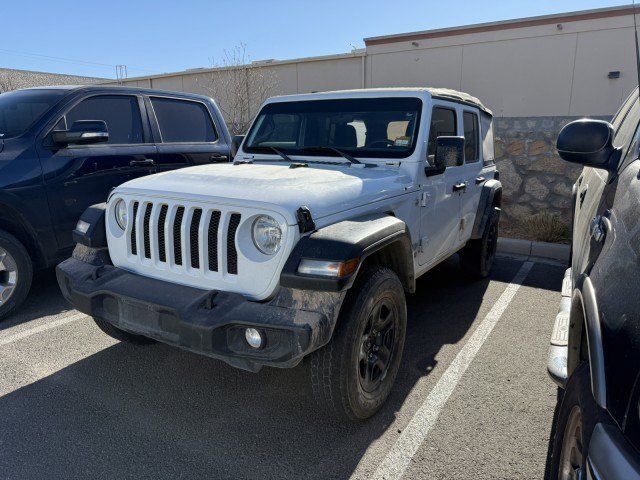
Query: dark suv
x=595, y=345
x=63, y=149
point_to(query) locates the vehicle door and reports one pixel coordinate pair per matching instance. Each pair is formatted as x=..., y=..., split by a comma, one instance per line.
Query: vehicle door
x=591, y=186
x=77, y=176
x=473, y=180
x=441, y=194
x=185, y=133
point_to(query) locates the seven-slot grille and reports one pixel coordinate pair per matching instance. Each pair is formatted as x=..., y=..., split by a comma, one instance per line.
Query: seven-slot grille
x=169, y=230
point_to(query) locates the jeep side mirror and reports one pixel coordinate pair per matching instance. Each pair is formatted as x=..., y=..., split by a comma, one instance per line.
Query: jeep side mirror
x=82, y=132
x=449, y=153
x=235, y=144
x=587, y=142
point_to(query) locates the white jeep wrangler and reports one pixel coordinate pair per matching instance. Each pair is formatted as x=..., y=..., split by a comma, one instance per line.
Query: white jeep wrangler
x=305, y=245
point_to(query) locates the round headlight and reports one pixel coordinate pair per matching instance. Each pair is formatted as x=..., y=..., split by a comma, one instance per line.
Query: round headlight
x=267, y=235
x=121, y=213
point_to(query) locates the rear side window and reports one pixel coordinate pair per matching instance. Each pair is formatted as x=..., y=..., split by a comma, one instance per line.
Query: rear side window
x=183, y=121
x=120, y=112
x=471, y=137
x=443, y=124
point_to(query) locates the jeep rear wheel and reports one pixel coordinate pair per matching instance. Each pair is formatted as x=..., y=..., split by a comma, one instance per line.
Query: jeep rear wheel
x=477, y=257
x=16, y=273
x=353, y=375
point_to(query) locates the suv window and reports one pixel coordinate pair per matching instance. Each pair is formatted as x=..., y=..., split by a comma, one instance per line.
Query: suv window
x=443, y=124
x=120, y=112
x=471, y=137
x=22, y=108
x=183, y=121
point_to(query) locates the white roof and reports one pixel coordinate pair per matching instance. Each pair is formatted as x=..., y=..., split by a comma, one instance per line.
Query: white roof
x=442, y=93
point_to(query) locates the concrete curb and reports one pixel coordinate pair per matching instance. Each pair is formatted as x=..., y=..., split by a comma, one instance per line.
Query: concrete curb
x=529, y=249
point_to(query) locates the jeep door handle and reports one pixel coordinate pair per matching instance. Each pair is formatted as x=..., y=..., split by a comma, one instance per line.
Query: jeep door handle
x=459, y=186
x=479, y=180
x=147, y=162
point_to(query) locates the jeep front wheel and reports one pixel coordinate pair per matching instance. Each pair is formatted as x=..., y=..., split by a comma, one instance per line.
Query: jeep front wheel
x=16, y=273
x=353, y=375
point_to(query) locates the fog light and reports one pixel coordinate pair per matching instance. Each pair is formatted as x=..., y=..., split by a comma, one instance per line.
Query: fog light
x=253, y=338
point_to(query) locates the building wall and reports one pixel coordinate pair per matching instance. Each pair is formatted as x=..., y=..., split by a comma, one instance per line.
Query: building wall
x=536, y=75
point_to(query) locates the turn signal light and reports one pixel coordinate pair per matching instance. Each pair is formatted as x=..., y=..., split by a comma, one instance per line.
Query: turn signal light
x=328, y=268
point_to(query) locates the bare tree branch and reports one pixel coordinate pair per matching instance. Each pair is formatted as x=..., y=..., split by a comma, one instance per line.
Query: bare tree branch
x=239, y=87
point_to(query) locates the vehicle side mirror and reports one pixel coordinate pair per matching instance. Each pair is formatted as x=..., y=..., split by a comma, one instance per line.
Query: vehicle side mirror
x=449, y=153
x=235, y=144
x=82, y=132
x=587, y=142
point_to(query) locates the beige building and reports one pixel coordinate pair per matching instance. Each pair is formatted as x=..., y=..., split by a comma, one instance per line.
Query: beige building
x=534, y=73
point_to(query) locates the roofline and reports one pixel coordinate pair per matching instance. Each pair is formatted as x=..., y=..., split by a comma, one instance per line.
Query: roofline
x=506, y=24
x=40, y=72
x=357, y=53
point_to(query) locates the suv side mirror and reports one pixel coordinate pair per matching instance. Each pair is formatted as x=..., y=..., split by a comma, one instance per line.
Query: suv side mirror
x=82, y=132
x=235, y=144
x=587, y=142
x=449, y=152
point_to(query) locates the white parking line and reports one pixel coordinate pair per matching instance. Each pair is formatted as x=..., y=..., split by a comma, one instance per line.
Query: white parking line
x=399, y=456
x=41, y=328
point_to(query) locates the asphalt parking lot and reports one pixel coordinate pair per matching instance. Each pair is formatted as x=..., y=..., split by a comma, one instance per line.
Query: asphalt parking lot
x=472, y=399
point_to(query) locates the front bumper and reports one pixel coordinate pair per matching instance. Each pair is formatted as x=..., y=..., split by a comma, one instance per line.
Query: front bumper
x=210, y=323
x=611, y=457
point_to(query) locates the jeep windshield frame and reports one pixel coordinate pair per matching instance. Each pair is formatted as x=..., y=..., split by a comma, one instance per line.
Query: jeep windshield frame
x=21, y=109
x=372, y=127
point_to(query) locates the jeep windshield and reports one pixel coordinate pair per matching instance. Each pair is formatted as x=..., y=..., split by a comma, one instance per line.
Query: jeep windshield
x=22, y=108
x=361, y=127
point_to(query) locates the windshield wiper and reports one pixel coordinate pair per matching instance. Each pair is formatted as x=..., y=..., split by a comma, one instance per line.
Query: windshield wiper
x=333, y=149
x=284, y=156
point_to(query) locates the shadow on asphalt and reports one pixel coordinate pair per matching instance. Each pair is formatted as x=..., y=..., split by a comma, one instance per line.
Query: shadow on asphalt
x=160, y=412
x=44, y=300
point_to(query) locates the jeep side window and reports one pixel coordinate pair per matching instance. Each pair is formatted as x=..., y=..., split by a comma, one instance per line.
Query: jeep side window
x=443, y=124
x=471, y=137
x=120, y=112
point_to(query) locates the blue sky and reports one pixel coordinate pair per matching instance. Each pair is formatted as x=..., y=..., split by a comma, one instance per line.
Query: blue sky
x=155, y=36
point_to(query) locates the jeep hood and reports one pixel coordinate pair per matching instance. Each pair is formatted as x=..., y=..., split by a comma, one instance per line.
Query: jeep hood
x=325, y=190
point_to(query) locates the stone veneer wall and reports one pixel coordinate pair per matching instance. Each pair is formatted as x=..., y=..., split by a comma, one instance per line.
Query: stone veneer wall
x=533, y=176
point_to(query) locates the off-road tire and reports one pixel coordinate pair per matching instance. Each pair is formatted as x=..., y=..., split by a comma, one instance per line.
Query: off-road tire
x=24, y=269
x=336, y=368
x=115, y=332
x=477, y=256
x=577, y=395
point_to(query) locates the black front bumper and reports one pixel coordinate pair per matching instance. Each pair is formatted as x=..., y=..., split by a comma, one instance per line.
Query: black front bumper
x=211, y=323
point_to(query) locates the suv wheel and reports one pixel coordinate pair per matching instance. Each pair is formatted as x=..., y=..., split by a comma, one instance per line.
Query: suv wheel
x=16, y=273
x=352, y=376
x=115, y=332
x=577, y=418
x=477, y=257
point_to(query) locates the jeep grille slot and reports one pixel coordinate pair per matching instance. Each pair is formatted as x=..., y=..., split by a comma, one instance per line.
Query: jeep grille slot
x=194, y=244
x=232, y=253
x=134, y=244
x=212, y=240
x=162, y=253
x=145, y=230
x=177, y=236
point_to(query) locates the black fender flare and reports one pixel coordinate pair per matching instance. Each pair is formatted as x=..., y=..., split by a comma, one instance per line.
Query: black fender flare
x=490, y=197
x=584, y=298
x=357, y=238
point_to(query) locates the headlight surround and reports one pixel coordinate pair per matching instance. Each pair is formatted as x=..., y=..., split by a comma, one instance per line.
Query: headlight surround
x=120, y=211
x=266, y=234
